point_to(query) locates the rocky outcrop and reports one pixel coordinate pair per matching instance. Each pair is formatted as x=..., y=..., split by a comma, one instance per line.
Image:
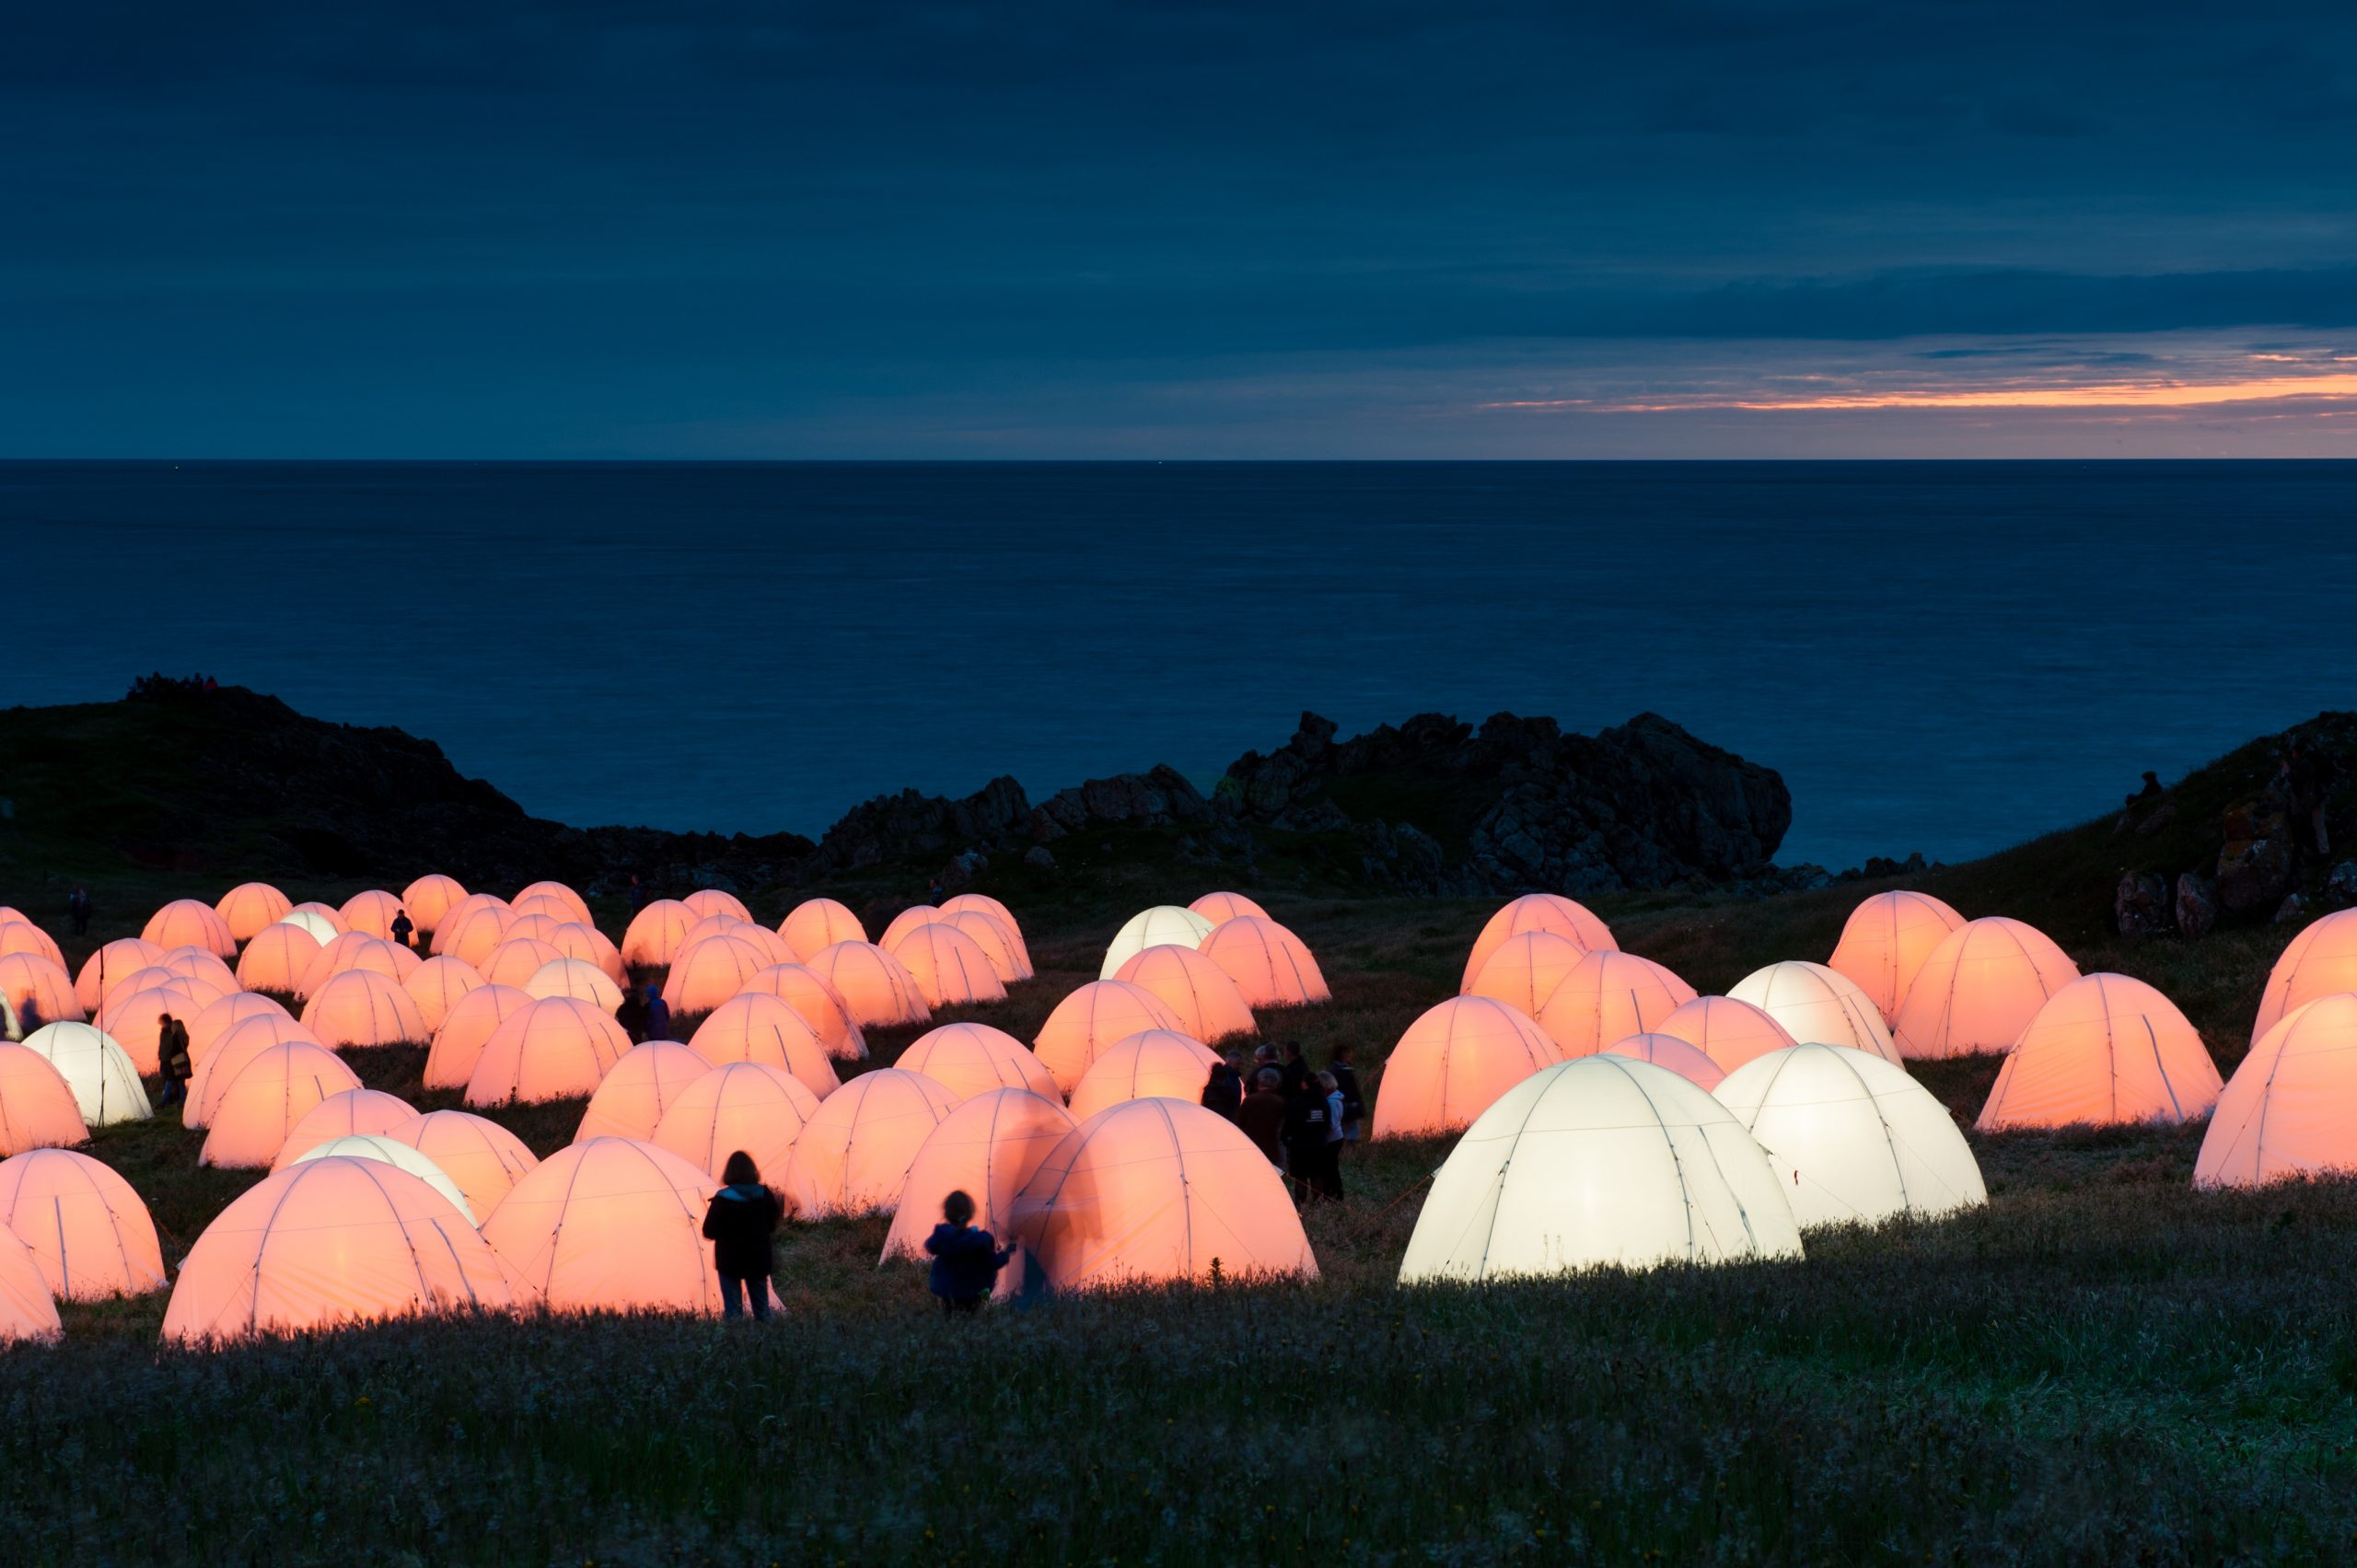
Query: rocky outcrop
x=2196, y=906
x=2141, y=906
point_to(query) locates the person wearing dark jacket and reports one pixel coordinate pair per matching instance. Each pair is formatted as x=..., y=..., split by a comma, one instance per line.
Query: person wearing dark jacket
x=1346, y=1078
x=78, y=904
x=174, y=1056
x=742, y=1224
x=403, y=928
x=658, y=1013
x=632, y=1016
x=966, y=1262
x=1263, y=1116
x=1306, y=1114
x=1222, y=1091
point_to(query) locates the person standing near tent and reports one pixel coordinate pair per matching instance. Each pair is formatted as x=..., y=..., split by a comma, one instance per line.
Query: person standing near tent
x=1263, y=1116
x=658, y=1013
x=78, y=904
x=1306, y=1117
x=630, y=1013
x=1223, y=1090
x=966, y=1262
x=401, y=928
x=173, y=1055
x=742, y=1224
x=1329, y=1174
x=1297, y=1068
x=1346, y=1078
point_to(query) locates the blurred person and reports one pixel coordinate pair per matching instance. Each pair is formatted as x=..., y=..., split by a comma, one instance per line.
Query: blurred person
x=966, y=1262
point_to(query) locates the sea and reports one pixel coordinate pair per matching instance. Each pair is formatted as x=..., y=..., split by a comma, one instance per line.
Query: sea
x=1939, y=658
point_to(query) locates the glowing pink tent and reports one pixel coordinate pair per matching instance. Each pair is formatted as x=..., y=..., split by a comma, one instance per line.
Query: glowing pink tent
x=430, y=898
x=2291, y=1107
x=112, y=962
x=744, y=1105
x=818, y=923
x=1729, y=1032
x=982, y=903
x=1537, y=911
x=712, y=900
x=572, y=901
x=987, y=1148
x=589, y=944
x=997, y=941
x=517, y=960
x=220, y=1067
x=473, y=929
x=1981, y=988
x=2104, y=1049
x=373, y=912
x=1092, y=1018
x=1270, y=966
x=19, y=934
x=876, y=986
x=655, y=933
x=1221, y=908
x=1207, y=1003
x=435, y=986
x=556, y=1048
x=1524, y=969
x=800, y=988
x=135, y=1020
x=249, y=907
x=29, y=981
x=973, y=1058
x=853, y=1155
x=36, y=1105
x=191, y=923
x=269, y=1095
x=26, y=1312
x=479, y=1157
x=757, y=1027
x=1609, y=996
x=1887, y=939
x=1681, y=1057
x=278, y=959
x=205, y=1030
x=82, y=1224
x=908, y=920
x=577, y=978
x=466, y=1029
x=611, y=1225
x=949, y=967
x=354, y=1111
x=1151, y=1063
x=2321, y=960
x=709, y=970
x=1454, y=1063
x=364, y=1007
x=357, y=950
x=637, y=1090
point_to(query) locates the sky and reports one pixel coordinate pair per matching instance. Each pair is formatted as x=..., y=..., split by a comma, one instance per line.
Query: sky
x=605, y=228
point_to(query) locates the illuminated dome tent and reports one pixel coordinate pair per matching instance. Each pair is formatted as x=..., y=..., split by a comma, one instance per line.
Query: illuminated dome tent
x=987, y=1148
x=1609, y=996
x=1164, y=925
x=1525, y=968
x=472, y=930
x=589, y=945
x=949, y=967
x=364, y=1007
x=1816, y=1006
x=205, y=1030
x=547, y=909
x=1599, y=1161
x=1729, y=1032
x=373, y=912
x=331, y=1242
x=220, y=1066
x=876, y=986
x=774, y=950
x=2320, y=961
x=1151, y=1063
x=19, y=934
x=1854, y=1137
x=1092, y=1017
x=1269, y=964
x=357, y=950
x=82, y=1223
x=975, y=1059
x=324, y=921
x=134, y=1021
x=2291, y=1107
x=1981, y=988
x=197, y=965
x=480, y=1157
x=1885, y=941
x=553, y=1049
x=637, y=1090
x=268, y=1097
x=998, y=943
x=352, y=1113
x=1207, y=1003
x=908, y=920
x=251, y=908
x=853, y=1155
x=36, y=1106
x=121, y=990
x=2104, y=1049
x=1454, y=1063
x=1221, y=908
x=26, y=1310
x=191, y=923
x=1683, y=1058
x=435, y=986
x=110, y=963
x=278, y=959
x=466, y=1029
x=820, y=1003
x=745, y=1105
x=573, y=902
x=712, y=900
x=655, y=933
x=710, y=970
x=517, y=960
x=430, y=898
x=392, y=1151
x=1153, y=1191
x=817, y=925
x=758, y=1027
x=106, y=1087
x=28, y=980
x=1537, y=911
x=610, y=1225
x=577, y=978
x=983, y=904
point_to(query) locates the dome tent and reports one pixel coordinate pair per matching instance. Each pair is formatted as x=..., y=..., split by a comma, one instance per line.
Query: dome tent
x=205, y=1030
x=573, y=902
x=1524, y=969
x=1221, y=908
x=106, y=1087
x=1155, y=1190
x=200, y=968
x=950, y=968
x=577, y=978
x=636, y=1090
x=480, y=1157
x=820, y=1004
x=707, y=901
x=983, y=904
x=853, y=1155
x=1981, y=988
x=757, y=1027
x=1091, y=1018
x=1452, y=1063
x=431, y=898
x=270, y=1095
x=987, y=1148
x=472, y=930
x=357, y=950
x=2291, y=1106
x=133, y=1020
x=817, y=925
x=1537, y=911
x=517, y=960
x=364, y=1007
x=31, y=982
x=82, y=1224
x=1816, y=1006
x=1609, y=996
x=352, y=1113
x=1270, y=965
x=278, y=959
x=1689, y=1061
x=466, y=1029
x=908, y=920
x=1599, y=1161
x=435, y=986
x=2320, y=961
x=319, y=922
x=1164, y=925
x=110, y=963
x=26, y=1311
x=1856, y=1136
x=2104, y=1049
x=1729, y=1032
x=975, y=1059
x=612, y=1225
x=589, y=944
x=1206, y=1002
x=741, y=1104
x=774, y=950
x=373, y=912
x=36, y=1105
x=392, y=1151
x=220, y=1067
x=655, y=933
x=710, y=970
x=876, y=986
x=1151, y=1063
x=1885, y=942
x=998, y=943
x=330, y=1242
x=553, y=1049
x=19, y=934
x=249, y=908
x=191, y=923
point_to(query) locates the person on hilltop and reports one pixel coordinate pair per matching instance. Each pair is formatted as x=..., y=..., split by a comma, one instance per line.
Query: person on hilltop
x=403, y=928
x=174, y=1055
x=1263, y=1115
x=1223, y=1090
x=966, y=1262
x=658, y=1013
x=1346, y=1078
x=742, y=1224
x=77, y=905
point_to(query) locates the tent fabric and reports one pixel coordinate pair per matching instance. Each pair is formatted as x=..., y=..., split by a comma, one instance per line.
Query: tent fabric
x=800, y=988
x=1270, y=966
x=357, y=950
x=1729, y=1032
x=270, y=1095
x=757, y=1027
x=1599, y=1161
x=1221, y=907
x=332, y=1242
x=982, y=903
x=132, y=1020
x=908, y=920
x=950, y=968
x=278, y=959
x=373, y=912
x=590, y=946
x=392, y=1151
x=1537, y=911
x=435, y=986
x=975, y=1059
x=205, y=1030
x=1207, y=1003
x=28, y=1312
x=987, y=1148
x=430, y=898
x=707, y=901
x=1609, y=996
x=472, y=930
x=466, y=1029
x=220, y=1067
x=352, y=1113
x=636, y=1090
x=1164, y=1064
x=110, y=963
x=120, y=989
x=196, y=964
x=546, y=908
x=251, y=908
x=1160, y=926
x=573, y=902
x=876, y=986
x=29, y=980
x=655, y=933
x=1853, y=1137
x=191, y=923
x=1683, y=1058
x=556, y=1048
x=610, y=1225
x=1158, y=1191
x=2290, y=1109
x=740, y=1104
x=324, y=921
x=36, y=1105
x=1452, y=1063
x=997, y=943
x=1981, y=988
x=364, y=1007
x=774, y=950
x=709, y=970
x=85, y=1226
x=105, y=1086
x=517, y=960
x=1524, y=969
x=479, y=1157
x=19, y=934
x=577, y=978
x=853, y=1155
x=2104, y=1049
x=815, y=924
x=1092, y=1018
x=1818, y=1006
x=1885, y=942
x=2320, y=961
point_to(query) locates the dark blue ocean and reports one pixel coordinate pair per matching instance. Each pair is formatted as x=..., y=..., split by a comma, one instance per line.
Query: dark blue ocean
x=1938, y=657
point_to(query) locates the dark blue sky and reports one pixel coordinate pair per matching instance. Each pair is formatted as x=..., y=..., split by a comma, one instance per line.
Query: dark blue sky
x=1358, y=230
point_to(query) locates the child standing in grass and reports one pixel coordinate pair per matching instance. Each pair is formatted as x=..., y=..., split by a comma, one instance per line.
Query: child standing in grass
x=742, y=1224
x=966, y=1262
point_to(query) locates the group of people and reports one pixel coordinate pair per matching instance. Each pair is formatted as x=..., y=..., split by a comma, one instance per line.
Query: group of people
x=644, y=1013
x=1302, y=1119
